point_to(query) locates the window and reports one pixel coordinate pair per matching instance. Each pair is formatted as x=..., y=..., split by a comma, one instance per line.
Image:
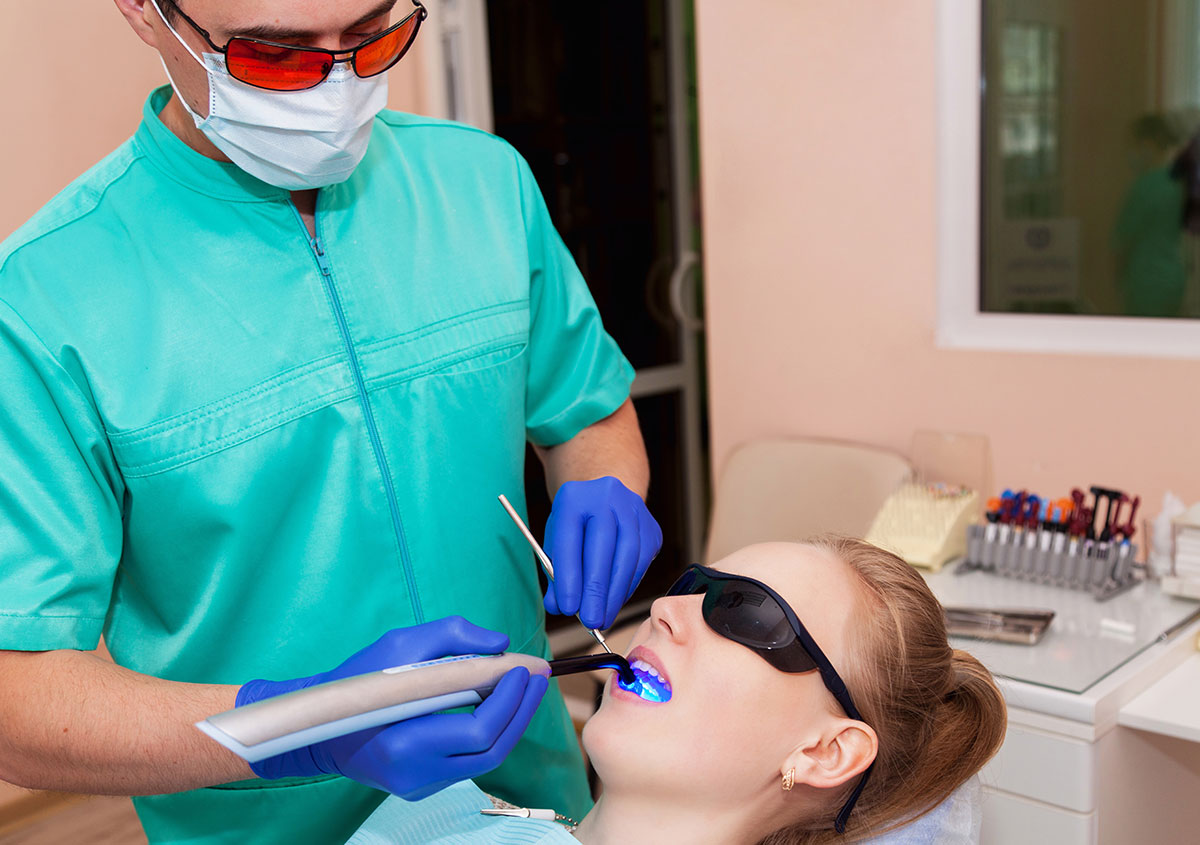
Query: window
x=1049, y=114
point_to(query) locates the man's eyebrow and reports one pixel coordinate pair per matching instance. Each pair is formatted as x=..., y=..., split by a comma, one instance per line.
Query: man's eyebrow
x=273, y=32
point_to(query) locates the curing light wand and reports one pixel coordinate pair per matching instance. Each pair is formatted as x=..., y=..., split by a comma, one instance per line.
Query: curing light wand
x=336, y=708
x=592, y=662
x=545, y=561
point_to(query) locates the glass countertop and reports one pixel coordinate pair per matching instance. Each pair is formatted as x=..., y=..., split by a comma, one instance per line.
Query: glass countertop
x=1078, y=650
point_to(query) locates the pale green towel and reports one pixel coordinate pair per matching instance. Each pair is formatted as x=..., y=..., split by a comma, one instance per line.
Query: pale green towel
x=451, y=817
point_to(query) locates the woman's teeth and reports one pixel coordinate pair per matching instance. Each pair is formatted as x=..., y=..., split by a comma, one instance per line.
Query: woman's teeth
x=646, y=667
x=649, y=684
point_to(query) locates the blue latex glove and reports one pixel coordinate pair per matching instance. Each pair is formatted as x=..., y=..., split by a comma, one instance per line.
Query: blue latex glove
x=601, y=539
x=416, y=757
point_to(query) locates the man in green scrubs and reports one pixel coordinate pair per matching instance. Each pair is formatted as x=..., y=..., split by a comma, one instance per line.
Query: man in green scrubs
x=264, y=370
x=1148, y=236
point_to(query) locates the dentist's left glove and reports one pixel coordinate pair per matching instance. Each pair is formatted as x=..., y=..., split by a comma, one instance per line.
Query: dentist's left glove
x=417, y=757
x=601, y=539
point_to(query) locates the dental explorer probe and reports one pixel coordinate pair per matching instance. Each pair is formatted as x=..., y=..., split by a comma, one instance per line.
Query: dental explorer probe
x=545, y=561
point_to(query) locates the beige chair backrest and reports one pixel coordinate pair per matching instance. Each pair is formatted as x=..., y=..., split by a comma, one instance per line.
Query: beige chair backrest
x=789, y=489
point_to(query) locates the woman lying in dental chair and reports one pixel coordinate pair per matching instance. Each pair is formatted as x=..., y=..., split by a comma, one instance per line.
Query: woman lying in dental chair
x=760, y=739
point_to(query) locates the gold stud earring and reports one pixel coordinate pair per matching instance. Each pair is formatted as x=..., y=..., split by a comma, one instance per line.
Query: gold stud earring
x=789, y=780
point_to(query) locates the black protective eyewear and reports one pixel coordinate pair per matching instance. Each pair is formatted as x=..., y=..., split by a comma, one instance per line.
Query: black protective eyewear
x=289, y=67
x=750, y=613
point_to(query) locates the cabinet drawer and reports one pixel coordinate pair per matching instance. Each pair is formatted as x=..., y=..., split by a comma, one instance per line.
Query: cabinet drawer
x=1045, y=767
x=1009, y=818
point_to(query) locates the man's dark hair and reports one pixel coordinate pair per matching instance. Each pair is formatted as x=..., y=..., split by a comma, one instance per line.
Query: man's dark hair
x=1157, y=130
x=170, y=10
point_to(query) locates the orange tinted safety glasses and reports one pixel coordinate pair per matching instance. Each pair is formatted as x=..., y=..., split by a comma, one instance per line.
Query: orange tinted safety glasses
x=288, y=67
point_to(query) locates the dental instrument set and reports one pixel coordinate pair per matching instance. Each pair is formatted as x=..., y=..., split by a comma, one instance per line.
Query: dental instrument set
x=544, y=559
x=1063, y=543
x=287, y=722
x=1022, y=625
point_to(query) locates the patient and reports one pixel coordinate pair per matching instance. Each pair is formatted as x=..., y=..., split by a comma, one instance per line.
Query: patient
x=758, y=740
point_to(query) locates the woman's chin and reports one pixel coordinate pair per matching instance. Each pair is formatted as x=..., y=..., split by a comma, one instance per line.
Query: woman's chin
x=608, y=739
x=627, y=751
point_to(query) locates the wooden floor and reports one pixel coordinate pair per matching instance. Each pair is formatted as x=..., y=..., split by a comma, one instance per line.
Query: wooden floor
x=88, y=821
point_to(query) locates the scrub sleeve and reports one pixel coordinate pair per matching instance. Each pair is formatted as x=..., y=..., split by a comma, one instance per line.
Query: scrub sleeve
x=60, y=501
x=576, y=376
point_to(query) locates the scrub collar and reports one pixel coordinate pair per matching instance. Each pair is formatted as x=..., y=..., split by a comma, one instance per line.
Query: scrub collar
x=220, y=179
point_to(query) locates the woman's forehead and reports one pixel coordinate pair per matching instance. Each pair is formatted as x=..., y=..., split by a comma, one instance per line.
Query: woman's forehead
x=779, y=564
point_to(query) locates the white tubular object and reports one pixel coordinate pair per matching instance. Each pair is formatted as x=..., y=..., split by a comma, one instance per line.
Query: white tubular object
x=290, y=721
x=522, y=813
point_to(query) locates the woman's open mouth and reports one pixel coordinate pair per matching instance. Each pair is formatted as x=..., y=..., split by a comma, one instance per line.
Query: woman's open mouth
x=650, y=683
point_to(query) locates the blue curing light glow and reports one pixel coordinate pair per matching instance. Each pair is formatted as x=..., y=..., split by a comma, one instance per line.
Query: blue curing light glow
x=647, y=686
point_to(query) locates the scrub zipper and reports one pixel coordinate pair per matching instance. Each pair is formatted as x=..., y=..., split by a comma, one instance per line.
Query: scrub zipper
x=360, y=385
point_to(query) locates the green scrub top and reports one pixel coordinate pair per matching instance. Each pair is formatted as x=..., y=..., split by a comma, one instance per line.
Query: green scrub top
x=1149, y=239
x=238, y=452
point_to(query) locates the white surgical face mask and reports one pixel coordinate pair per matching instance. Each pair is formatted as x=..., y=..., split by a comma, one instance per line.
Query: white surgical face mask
x=291, y=139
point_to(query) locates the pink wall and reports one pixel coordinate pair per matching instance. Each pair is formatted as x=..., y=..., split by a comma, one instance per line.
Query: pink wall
x=817, y=135
x=60, y=121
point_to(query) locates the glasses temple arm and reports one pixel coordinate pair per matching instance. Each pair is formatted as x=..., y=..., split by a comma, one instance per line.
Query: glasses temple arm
x=839, y=823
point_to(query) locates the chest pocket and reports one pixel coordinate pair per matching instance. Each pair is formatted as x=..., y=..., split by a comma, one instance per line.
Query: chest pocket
x=476, y=341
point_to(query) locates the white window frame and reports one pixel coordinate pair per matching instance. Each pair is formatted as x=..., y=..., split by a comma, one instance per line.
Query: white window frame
x=960, y=323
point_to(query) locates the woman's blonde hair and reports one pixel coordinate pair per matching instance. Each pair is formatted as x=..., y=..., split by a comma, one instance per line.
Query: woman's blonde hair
x=936, y=710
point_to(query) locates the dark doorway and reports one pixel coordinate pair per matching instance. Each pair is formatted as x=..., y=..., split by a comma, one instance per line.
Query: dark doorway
x=587, y=99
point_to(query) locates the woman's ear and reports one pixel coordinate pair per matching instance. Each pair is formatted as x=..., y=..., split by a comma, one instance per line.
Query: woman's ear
x=844, y=749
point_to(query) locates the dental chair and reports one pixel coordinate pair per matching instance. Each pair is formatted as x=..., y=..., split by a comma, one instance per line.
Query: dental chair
x=792, y=488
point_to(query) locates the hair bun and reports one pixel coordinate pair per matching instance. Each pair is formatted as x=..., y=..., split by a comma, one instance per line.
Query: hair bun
x=973, y=692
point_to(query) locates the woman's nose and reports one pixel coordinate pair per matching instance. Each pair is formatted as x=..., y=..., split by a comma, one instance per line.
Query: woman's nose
x=673, y=615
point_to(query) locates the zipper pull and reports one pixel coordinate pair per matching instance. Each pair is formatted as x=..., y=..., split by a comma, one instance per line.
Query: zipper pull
x=315, y=243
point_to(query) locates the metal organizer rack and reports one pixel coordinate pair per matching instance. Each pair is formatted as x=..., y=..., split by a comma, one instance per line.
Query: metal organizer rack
x=1052, y=557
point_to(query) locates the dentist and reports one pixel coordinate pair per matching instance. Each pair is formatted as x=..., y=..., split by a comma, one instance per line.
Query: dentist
x=263, y=371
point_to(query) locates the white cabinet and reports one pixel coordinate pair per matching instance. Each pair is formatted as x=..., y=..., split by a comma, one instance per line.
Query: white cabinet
x=1045, y=767
x=1085, y=778
x=1008, y=818
x=1100, y=747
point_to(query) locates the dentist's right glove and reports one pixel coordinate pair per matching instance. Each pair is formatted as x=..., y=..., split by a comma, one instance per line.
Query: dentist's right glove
x=416, y=757
x=601, y=539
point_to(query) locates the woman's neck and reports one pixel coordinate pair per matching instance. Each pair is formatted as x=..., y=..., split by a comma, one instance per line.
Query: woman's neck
x=622, y=819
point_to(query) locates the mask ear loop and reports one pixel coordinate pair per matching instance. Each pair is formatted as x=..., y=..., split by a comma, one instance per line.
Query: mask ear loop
x=182, y=43
x=196, y=117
